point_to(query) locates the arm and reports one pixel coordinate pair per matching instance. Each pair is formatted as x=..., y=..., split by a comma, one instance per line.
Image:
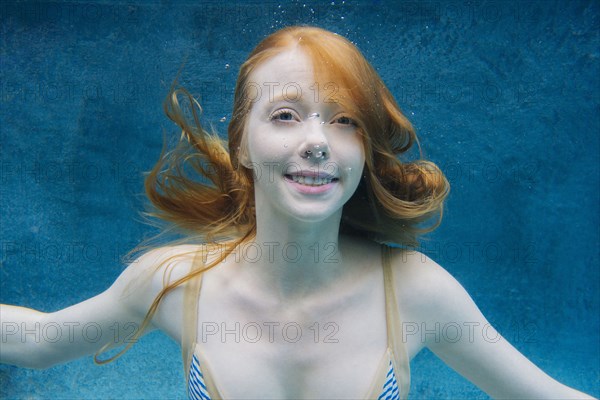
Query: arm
x=34, y=339
x=483, y=356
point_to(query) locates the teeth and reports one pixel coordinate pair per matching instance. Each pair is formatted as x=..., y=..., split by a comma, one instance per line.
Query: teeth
x=311, y=180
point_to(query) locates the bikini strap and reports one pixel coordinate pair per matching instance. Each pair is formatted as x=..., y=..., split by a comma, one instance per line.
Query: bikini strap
x=190, y=314
x=393, y=321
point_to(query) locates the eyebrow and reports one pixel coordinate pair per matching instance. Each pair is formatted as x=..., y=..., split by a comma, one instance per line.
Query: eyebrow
x=288, y=99
x=301, y=102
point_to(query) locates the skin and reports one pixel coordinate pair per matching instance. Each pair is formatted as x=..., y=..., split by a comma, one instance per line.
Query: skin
x=325, y=278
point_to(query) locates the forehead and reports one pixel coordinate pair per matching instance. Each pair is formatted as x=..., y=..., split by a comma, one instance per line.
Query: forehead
x=292, y=66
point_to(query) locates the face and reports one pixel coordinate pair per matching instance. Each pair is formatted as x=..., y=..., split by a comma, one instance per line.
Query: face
x=305, y=151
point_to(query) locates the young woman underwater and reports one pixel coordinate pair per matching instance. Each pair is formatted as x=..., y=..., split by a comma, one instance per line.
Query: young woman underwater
x=309, y=191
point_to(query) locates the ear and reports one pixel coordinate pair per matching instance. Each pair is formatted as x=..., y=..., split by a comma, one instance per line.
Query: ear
x=243, y=158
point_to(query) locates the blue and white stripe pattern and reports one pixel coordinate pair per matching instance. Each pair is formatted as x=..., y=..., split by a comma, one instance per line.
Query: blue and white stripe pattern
x=196, y=386
x=390, y=387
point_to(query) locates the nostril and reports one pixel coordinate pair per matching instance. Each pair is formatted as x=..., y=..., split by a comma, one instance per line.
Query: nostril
x=316, y=152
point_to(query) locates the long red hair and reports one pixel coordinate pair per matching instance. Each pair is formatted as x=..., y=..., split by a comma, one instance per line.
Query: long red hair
x=202, y=189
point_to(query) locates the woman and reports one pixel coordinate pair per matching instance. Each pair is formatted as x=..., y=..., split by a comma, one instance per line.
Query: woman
x=291, y=293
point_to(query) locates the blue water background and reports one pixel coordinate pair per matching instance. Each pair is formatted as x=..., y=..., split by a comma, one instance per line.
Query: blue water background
x=504, y=96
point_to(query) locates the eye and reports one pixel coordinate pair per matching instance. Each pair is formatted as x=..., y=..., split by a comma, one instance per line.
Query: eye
x=344, y=120
x=284, y=115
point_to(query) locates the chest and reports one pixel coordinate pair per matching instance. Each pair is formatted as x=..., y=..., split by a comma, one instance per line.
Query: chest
x=293, y=352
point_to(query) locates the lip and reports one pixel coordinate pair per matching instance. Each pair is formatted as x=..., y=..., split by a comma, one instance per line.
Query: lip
x=313, y=174
x=297, y=181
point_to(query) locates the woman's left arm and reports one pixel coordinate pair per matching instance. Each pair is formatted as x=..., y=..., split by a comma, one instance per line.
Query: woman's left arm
x=483, y=356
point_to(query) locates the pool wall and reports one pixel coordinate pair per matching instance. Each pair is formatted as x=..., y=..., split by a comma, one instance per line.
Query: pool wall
x=504, y=96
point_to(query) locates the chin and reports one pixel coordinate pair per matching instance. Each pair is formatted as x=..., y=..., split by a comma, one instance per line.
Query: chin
x=311, y=215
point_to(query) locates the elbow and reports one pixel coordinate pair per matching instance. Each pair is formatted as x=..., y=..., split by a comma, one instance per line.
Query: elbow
x=27, y=355
x=39, y=361
x=26, y=350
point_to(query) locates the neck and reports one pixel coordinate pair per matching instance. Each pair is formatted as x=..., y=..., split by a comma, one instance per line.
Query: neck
x=292, y=259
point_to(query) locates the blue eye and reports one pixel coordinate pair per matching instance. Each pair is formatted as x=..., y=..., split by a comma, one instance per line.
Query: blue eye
x=282, y=115
x=345, y=121
x=285, y=116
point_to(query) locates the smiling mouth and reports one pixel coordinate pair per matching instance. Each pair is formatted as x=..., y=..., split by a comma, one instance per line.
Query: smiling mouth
x=311, y=180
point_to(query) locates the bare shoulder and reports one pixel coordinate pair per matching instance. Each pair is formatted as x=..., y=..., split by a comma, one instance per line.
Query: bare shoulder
x=425, y=289
x=149, y=273
x=174, y=261
x=415, y=270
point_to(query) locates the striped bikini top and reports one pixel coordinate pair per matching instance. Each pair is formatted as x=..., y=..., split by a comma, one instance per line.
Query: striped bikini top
x=392, y=380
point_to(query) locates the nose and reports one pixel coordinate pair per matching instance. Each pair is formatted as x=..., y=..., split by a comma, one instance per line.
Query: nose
x=315, y=147
x=315, y=151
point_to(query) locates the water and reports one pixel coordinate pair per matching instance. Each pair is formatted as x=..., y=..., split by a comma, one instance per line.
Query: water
x=504, y=96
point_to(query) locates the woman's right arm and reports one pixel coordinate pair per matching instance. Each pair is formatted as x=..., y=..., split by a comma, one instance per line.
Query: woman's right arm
x=34, y=339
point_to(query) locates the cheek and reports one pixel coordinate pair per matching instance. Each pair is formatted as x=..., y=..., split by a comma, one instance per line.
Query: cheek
x=359, y=159
x=351, y=160
x=266, y=144
x=268, y=150
x=354, y=151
